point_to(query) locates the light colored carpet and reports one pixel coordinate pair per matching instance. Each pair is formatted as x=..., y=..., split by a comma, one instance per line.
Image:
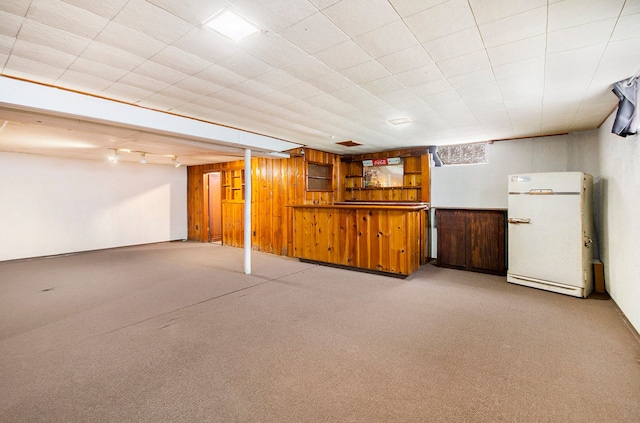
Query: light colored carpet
x=176, y=332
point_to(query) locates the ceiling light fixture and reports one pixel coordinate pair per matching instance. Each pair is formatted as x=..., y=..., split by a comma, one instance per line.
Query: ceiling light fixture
x=231, y=25
x=143, y=159
x=399, y=121
x=114, y=157
x=175, y=162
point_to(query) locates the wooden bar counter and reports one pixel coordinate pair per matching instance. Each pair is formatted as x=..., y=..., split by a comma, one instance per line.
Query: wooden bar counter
x=382, y=237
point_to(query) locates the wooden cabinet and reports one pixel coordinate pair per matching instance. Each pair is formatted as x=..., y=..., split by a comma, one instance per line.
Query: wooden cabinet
x=471, y=239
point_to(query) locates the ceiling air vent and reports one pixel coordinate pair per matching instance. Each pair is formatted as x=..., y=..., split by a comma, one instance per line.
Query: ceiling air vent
x=349, y=143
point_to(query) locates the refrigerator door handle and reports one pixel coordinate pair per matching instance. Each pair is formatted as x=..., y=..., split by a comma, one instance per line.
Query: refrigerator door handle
x=518, y=220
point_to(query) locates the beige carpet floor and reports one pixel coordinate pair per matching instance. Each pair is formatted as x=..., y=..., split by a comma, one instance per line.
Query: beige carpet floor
x=176, y=332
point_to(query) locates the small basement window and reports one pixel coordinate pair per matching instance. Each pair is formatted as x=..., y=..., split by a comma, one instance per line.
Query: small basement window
x=319, y=177
x=463, y=154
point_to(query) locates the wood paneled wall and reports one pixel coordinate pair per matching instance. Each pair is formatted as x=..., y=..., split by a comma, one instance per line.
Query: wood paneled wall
x=276, y=183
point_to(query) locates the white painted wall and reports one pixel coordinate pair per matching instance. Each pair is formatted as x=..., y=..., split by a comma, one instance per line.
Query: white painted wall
x=54, y=206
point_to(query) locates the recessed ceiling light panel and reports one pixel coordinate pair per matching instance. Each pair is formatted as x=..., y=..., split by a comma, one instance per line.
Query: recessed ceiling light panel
x=231, y=25
x=399, y=121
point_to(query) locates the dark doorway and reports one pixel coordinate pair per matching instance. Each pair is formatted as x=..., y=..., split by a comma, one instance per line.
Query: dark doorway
x=215, y=207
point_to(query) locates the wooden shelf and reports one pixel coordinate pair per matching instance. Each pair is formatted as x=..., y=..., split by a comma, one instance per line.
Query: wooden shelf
x=385, y=188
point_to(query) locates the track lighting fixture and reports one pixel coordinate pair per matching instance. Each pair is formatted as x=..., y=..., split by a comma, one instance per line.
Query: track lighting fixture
x=115, y=154
x=143, y=159
x=175, y=162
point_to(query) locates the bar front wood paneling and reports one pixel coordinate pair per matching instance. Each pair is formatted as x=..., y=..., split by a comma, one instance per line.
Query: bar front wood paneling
x=374, y=237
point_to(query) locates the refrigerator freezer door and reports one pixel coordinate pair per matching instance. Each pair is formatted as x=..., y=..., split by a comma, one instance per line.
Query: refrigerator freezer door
x=546, y=239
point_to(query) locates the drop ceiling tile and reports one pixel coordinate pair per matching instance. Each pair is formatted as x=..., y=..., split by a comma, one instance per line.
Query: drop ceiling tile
x=251, y=88
x=383, y=85
x=112, y=56
x=195, y=12
x=331, y=82
x=514, y=28
x=67, y=17
x=130, y=40
x=307, y=68
x=627, y=27
x=45, y=35
x=481, y=76
x=220, y=76
x=323, y=100
x=489, y=11
x=517, y=50
x=211, y=103
x=160, y=102
x=365, y=72
x=276, y=51
x=277, y=79
x=142, y=82
x=411, y=58
x=343, y=55
x=180, y=95
x=441, y=20
x=454, y=45
x=631, y=7
x=302, y=91
x=471, y=62
x=46, y=55
x=84, y=82
x=232, y=97
x=488, y=93
x=420, y=75
x=207, y=45
x=180, y=60
x=411, y=7
x=568, y=13
x=277, y=98
x=108, y=9
x=6, y=44
x=15, y=7
x=351, y=93
x=304, y=34
x=435, y=87
x=29, y=69
x=621, y=48
x=275, y=14
x=323, y=4
x=581, y=36
x=357, y=17
x=387, y=39
x=521, y=69
x=97, y=69
x=152, y=21
x=246, y=65
x=160, y=72
x=10, y=24
x=531, y=87
x=198, y=86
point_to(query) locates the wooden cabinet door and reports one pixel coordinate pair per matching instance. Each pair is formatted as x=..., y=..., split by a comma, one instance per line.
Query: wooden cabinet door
x=452, y=238
x=487, y=238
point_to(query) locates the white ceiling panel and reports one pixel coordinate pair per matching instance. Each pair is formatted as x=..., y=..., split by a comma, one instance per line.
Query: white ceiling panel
x=454, y=45
x=10, y=24
x=407, y=59
x=387, y=40
x=357, y=17
x=305, y=34
x=107, y=9
x=464, y=70
x=569, y=13
x=411, y=7
x=343, y=55
x=49, y=36
x=441, y=20
x=153, y=21
x=130, y=40
x=493, y=10
x=112, y=56
x=275, y=14
x=276, y=51
x=515, y=28
x=67, y=17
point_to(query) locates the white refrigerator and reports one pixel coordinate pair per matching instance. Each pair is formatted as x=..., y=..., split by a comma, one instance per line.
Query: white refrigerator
x=550, y=231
